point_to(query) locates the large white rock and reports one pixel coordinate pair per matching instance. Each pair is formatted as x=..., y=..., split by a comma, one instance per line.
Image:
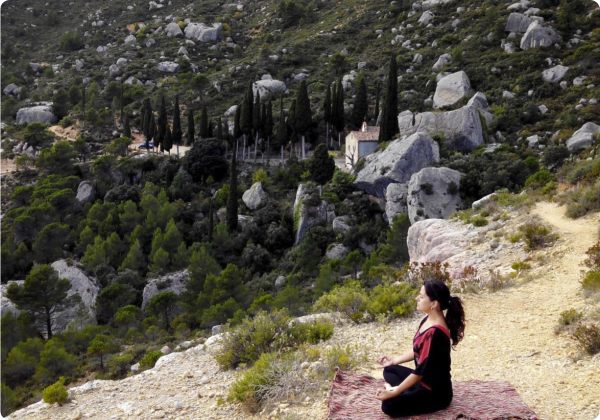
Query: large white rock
x=434, y=240
x=87, y=288
x=174, y=282
x=12, y=89
x=396, y=196
x=433, y=194
x=538, y=36
x=583, y=137
x=114, y=71
x=202, y=32
x=231, y=111
x=173, y=29
x=168, y=66
x=517, y=22
x=265, y=87
x=85, y=192
x=306, y=216
x=442, y=61
x=130, y=39
x=554, y=74
x=397, y=163
x=426, y=18
x=462, y=128
x=38, y=113
x=337, y=252
x=451, y=89
x=254, y=196
x=342, y=224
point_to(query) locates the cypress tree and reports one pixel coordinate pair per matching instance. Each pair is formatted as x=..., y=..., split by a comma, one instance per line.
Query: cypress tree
x=256, y=121
x=340, y=120
x=219, y=129
x=327, y=109
x=361, y=105
x=291, y=124
x=246, y=116
x=152, y=129
x=389, y=117
x=210, y=221
x=191, y=128
x=237, y=128
x=126, y=128
x=177, y=134
x=303, y=113
x=225, y=130
x=232, y=200
x=168, y=143
x=146, y=128
x=161, y=124
x=204, y=123
x=282, y=127
x=377, y=102
x=210, y=133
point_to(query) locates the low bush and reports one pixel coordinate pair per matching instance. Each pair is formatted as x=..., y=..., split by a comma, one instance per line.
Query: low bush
x=479, y=221
x=588, y=338
x=593, y=259
x=350, y=299
x=56, y=393
x=267, y=333
x=591, y=281
x=392, y=300
x=536, y=235
x=569, y=317
x=520, y=266
x=150, y=359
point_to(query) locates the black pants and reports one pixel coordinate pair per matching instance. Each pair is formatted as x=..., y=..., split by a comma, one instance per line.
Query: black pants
x=415, y=400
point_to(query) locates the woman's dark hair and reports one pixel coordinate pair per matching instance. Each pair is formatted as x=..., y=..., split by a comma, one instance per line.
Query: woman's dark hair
x=455, y=317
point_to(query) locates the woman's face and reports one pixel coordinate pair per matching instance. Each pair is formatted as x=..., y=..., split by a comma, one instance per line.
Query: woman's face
x=423, y=301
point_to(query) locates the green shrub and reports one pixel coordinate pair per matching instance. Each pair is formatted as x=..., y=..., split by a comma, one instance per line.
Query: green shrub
x=569, y=317
x=9, y=400
x=588, y=338
x=591, y=281
x=350, y=299
x=536, y=235
x=71, y=42
x=260, y=176
x=479, y=221
x=311, y=333
x=515, y=237
x=392, y=300
x=520, y=266
x=56, y=393
x=150, y=358
x=580, y=172
x=593, y=259
x=539, y=179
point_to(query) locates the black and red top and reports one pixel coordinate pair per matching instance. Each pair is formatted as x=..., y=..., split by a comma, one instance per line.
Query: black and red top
x=432, y=358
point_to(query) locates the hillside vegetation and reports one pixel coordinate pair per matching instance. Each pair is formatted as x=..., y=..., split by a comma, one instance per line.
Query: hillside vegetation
x=162, y=244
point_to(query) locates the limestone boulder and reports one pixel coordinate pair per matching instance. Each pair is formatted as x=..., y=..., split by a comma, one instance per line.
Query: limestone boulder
x=173, y=29
x=41, y=113
x=462, y=128
x=451, y=89
x=280, y=282
x=337, y=252
x=265, y=87
x=12, y=89
x=397, y=163
x=81, y=285
x=482, y=201
x=433, y=194
x=396, y=196
x=442, y=61
x=86, y=193
x=518, y=22
x=174, y=282
x=538, y=36
x=426, y=18
x=114, y=71
x=434, y=240
x=342, y=224
x=254, y=196
x=480, y=102
x=203, y=32
x=307, y=215
x=583, y=137
x=231, y=111
x=555, y=74
x=130, y=40
x=168, y=67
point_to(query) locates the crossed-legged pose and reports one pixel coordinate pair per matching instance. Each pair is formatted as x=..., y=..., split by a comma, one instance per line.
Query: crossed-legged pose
x=428, y=387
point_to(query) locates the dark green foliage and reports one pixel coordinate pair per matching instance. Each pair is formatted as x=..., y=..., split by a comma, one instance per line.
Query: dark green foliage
x=237, y=123
x=539, y=179
x=71, y=42
x=337, y=112
x=246, y=116
x=536, y=235
x=126, y=127
x=321, y=165
x=164, y=304
x=232, y=200
x=256, y=114
x=205, y=159
x=361, y=105
x=60, y=103
x=256, y=259
x=177, y=134
x=303, y=113
x=204, y=123
x=42, y=294
x=395, y=252
x=191, y=127
x=554, y=156
x=588, y=337
x=290, y=13
x=282, y=133
x=112, y=298
x=150, y=359
x=389, y=117
x=36, y=134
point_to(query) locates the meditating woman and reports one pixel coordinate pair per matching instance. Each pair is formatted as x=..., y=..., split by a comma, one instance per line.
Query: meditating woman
x=428, y=387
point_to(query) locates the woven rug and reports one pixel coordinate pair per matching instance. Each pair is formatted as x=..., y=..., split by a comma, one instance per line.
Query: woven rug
x=352, y=397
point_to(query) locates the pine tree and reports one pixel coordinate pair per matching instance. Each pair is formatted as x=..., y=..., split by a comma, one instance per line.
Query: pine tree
x=177, y=133
x=389, y=117
x=168, y=143
x=135, y=259
x=303, y=113
x=210, y=221
x=361, y=105
x=232, y=200
x=340, y=119
x=327, y=109
x=204, y=123
x=191, y=128
x=126, y=127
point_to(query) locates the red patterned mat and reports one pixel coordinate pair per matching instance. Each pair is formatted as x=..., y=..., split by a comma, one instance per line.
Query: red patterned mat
x=352, y=397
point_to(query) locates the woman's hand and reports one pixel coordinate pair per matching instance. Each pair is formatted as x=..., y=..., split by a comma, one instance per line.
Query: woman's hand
x=385, y=361
x=384, y=394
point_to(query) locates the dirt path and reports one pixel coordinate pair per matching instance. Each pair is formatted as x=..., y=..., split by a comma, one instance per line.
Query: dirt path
x=511, y=333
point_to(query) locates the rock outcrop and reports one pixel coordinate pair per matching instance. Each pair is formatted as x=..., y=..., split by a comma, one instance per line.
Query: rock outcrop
x=396, y=201
x=41, y=113
x=518, y=22
x=337, y=252
x=451, y=89
x=202, y=32
x=584, y=137
x=85, y=192
x=254, y=196
x=538, y=36
x=342, y=224
x=265, y=87
x=174, y=282
x=461, y=128
x=433, y=193
x=397, y=163
x=173, y=29
x=307, y=215
x=168, y=66
x=554, y=74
